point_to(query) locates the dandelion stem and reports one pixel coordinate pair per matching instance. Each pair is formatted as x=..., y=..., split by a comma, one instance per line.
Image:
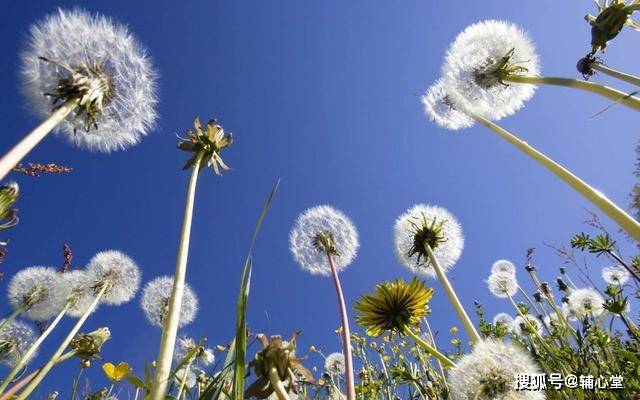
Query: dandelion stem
x=432, y=339
x=346, y=334
x=183, y=379
x=170, y=331
x=276, y=384
x=634, y=80
x=451, y=294
x=604, y=91
x=57, y=355
x=20, y=150
x=19, y=385
x=425, y=345
x=614, y=212
x=29, y=353
x=10, y=317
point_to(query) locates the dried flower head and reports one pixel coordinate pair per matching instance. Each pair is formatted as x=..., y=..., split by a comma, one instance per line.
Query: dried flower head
x=319, y=231
x=527, y=324
x=118, y=272
x=487, y=373
x=426, y=224
x=206, y=146
x=32, y=291
x=503, y=266
x=613, y=16
x=187, y=347
x=440, y=110
x=155, y=302
x=502, y=284
x=15, y=339
x=615, y=275
x=585, y=302
x=77, y=56
x=477, y=63
x=334, y=364
x=9, y=194
x=75, y=288
x=88, y=345
x=504, y=319
x=394, y=307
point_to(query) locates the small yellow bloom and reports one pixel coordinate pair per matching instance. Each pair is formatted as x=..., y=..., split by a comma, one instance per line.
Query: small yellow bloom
x=116, y=373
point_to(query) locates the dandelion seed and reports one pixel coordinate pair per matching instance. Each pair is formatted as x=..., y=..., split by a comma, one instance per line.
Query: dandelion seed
x=503, y=266
x=118, y=272
x=585, y=302
x=615, y=275
x=487, y=373
x=440, y=110
x=74, y=288
x=155, y=302
x=502, y=284
x=187, y=376
x=32, y=292
x=529, y=324
x=203, y=356
x=334, y=364
x=15, y=339
x=504, y=319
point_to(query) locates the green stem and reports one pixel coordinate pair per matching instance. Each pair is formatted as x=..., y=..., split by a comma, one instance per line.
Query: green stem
x=183, y=379
x=634, y=80
x=432, y=339
x=10, y=318
x=451, y=294
x=76, y=383
x=54, y=359
x=598, y=199
x=170, y=330
x=423, y=343
x=34, y=347
x=601, y=90
x=277, y=385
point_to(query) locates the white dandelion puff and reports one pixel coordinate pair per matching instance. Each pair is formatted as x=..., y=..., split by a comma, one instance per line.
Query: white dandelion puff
x=527, y=324
x=584, y=302
x=187, y=376
x=203, y=356
x=155, y=302
x=615, y=275
x=118, y=272
x=319, y=230
x=32, y=291
x=97, y=60
x=504, y=319
x=16, y=338
x=502, y=284
x=334, y=364
x=74, y=288
x=503, y=266
x=488, y=372
x=476, y=61
x=440, y=110
x=435, y=225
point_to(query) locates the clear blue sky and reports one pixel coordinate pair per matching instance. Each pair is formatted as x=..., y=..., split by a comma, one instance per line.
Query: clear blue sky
x=324, y=96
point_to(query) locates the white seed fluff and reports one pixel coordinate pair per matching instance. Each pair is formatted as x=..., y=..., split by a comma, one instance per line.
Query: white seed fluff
x=502, y=284
x=530, y=324
x=447, y=252
x=440, y=110
x=615, y=275
x=504, y=319
x=32, y=289
x=77, y=38
x=75, y=288
x=334, y=364
x=503, y=266
x=204, y=357
x=585, y=302
x=489, y=371
x=118, y=271
x=323, y=220
x=480, y=47
x=15, y=339
x=155, y=302
x=187, y=376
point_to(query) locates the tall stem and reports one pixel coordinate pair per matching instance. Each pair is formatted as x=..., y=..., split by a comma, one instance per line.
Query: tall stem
x=431, y=349
x=624, y=220
x=346, y=334
x=634, y=80
x=432, y=339
x=183, y=379
x=34, y=347
x=601, y=90
x=56, y=356
x=17, y=153
x=277, y=385
x=451, y=294
x=10, y=318
x=170, y=331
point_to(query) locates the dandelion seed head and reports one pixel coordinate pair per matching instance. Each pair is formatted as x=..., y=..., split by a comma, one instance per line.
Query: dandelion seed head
x=476, y=61
x=440, y=110
x=155, y=302
x=334, y=364
x=187, y=376
x=319, y=230
x=204, y=356
x=432, y=224
x=487, y=373
x=15, y=339
x=502, y=284
x=615, y=275
x=116, y=270
x=504, y=319
x=32, y=290
x=74, y=287
x=585, y=302
x=106, y=57
x=503, y=266
x=529, y=324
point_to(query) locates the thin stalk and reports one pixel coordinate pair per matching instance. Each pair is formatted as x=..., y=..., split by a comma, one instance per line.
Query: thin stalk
x=20, y=150
x=170, y=331
x=346, y=334
x=601, y=90
x=433, y=342
x=19, y=385
x=634, y=80
x=526, y=296
x=624, y=220
x=10, y=318
x=59, y=352
x=386, y=377
x=451, y=294
x=425, y=345
x=76, y=382
x=624, y=264
x=183, y=379
x=277, y=385
x=34, y=347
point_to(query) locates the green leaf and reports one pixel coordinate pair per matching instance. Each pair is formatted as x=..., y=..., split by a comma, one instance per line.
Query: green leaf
x=136, y=382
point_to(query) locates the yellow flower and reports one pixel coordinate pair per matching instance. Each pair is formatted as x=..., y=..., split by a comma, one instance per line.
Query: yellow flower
x=116, y=373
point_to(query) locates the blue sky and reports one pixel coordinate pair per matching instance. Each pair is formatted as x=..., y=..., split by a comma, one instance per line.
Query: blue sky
x=323, y=95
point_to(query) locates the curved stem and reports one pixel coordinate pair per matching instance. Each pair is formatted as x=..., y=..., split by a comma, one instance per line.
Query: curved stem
x=10, y=318
x=170, y=330
x=34, y=347
x=56, y=356
x=632, y=79
x=277, y=385
x=617, y=214
x=346, y=334
x=451, y=294
x=423, y=343
x=604, y=91
x=17, y=153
